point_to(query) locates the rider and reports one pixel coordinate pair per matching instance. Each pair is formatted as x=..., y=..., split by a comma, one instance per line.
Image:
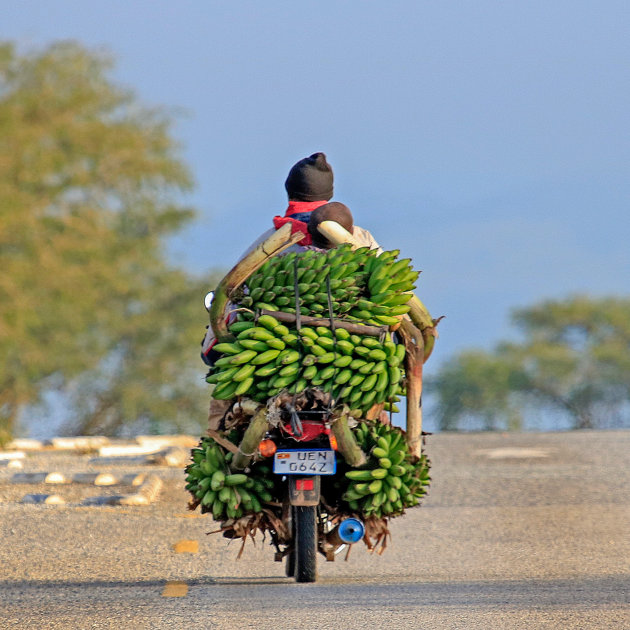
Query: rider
x=309, y=185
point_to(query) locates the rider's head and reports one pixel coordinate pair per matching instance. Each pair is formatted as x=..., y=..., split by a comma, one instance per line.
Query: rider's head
x=333, y=211
x=311, y=179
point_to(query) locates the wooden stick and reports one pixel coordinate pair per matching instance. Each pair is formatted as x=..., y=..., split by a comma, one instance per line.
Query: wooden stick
x=276, y=243
x=352, y=327
x=224, y=442
x=251, y=438
x=414, y=358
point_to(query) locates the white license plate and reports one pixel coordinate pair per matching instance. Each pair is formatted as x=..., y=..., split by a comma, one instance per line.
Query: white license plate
x=305, y=462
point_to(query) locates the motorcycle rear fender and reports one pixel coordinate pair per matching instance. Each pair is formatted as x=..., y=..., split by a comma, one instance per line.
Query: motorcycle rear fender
x=304, y=491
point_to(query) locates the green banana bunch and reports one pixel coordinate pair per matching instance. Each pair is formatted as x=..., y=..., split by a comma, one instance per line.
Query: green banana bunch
x=267, y=357
x=225, y=495
x=393, y=481
x=364, y=286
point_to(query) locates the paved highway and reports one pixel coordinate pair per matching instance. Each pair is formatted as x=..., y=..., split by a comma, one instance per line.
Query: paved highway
x=520, y=531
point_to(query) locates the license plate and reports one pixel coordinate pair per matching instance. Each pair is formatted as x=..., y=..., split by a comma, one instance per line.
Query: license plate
x=305, y=462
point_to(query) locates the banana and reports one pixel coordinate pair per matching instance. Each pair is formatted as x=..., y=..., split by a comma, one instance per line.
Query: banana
x=235, y=480
x=357, y=364
x=229, y=348
x=239, y=327
x=382, y=381
x=276, y=344
x=290, y=356
x=260, y=334
x=396, y=300
x=326, y=342
x=217, y=481
x=327, y=357
x=290, y=340
x=367, y=367
x=342, y=334
x=225, y=390
x=308, y=332
x=343, y=377
x=266, y=370
x=280, y=382
x=369, y=382
x=359, y=475
x=244, y=372
x=252, y=344
x=327, y=373
x=377, y=355
x=289, y=370
x=345, y=347
x=265, y=357
x=342, y=361
x=356, y=379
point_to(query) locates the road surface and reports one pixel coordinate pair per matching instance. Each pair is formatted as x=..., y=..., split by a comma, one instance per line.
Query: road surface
x=519, y=531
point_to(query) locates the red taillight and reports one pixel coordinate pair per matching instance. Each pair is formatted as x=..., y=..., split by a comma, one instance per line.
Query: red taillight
x=304, y=484
x=267, y=448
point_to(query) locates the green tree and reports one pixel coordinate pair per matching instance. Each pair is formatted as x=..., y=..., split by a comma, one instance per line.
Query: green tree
x=90, y=183
x=574, y=358
x=475, y=386
x=152, y=380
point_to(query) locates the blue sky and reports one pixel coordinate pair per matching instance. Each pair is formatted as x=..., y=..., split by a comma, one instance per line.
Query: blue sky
x=489, y=141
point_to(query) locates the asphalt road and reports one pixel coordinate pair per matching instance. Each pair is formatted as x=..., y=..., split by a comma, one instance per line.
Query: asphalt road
x=519, y=531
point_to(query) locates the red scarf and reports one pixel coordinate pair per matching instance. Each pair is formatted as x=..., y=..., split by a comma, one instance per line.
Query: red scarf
x=298, y=207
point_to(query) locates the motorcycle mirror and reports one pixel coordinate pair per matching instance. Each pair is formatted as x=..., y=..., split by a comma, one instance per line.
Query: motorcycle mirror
x=207, y=301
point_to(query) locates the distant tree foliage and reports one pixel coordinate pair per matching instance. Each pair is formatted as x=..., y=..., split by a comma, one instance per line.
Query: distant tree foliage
x=89, y=183
x=574, y=359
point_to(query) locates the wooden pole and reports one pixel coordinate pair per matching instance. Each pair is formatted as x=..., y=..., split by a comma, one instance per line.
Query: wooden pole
x=414, y=358
x=352, y=327
x=276, y=243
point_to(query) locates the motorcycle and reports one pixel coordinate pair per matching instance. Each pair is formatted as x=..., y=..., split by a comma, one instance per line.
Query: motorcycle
x=304, y=455
x=303, y=451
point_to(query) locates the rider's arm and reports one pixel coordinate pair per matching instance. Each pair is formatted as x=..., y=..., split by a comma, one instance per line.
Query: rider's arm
x=365, y=238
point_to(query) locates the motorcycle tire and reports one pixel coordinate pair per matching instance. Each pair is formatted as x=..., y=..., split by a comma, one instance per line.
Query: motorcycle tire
x=305, y=524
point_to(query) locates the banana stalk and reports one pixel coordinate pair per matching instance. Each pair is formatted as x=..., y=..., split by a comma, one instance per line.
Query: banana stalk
x=279, y=241
x=251, y=439
x=346, y=443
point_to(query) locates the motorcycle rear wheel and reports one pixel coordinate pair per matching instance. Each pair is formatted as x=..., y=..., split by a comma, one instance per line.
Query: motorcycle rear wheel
x=305, y=540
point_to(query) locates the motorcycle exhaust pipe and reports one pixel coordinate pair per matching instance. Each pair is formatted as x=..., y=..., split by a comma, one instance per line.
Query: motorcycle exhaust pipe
x=348, y=532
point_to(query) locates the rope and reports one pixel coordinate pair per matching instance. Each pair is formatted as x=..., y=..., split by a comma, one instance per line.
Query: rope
x=331, y=316
x=296, y=423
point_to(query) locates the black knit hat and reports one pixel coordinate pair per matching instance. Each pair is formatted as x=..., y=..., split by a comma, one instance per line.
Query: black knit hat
x=311, y=179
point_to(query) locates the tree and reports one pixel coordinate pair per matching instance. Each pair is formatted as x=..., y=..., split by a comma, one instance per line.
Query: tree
x=89, y=189
x=152, y=380
x=574, y=359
